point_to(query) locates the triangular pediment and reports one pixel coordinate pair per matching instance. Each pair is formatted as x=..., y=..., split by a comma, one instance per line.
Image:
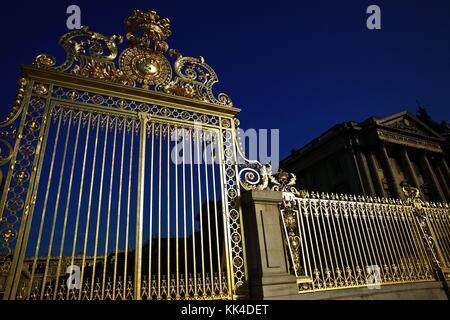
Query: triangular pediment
x=407, y=123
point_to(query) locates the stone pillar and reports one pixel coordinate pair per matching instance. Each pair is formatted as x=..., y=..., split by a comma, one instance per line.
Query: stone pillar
x=267, y=263
x=444, y=183
x=409, y=167
x=432, y=176
x=445, y=169
x=354, y=159
x=354, y=178
x=370, y=189
x=387, y=163
x=374, y=169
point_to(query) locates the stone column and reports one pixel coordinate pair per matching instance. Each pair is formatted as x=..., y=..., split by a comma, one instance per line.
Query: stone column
x=356, y=184
x=370, y=190
x=445, y=169
x=444, y=183
x=407, y=163
x=267, y=263
x=358, y=172
x=374, y=169
x=432, y=176
x=387, y=163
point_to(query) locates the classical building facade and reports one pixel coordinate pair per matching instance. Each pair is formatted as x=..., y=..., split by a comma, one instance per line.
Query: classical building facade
x=375, y=156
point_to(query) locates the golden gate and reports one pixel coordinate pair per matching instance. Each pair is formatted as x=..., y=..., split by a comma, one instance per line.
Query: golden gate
x=125, y=171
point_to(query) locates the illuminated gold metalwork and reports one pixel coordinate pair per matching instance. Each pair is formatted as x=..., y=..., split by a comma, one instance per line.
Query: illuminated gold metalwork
x=92, y=55
x=99, y=136
x=333, y=240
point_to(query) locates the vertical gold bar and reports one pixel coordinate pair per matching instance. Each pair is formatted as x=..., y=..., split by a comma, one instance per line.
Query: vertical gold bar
x=176, y=215
x=328, y=252
x=91, y=193
x=225, y=214
x=355, y=231
x=99, y=208
x=69, y=194
x=315, y=245
x=186, y=274
x=378, y=237
x=392, y=243
x=422, y=261
x=127, y=227
x=409, y=236
x=80, y=195
x=423, y=256
x=342, y=243
x=55, y=212
x=345, y=216
x=150, y=247
x=119, y=207
x=44, y=209
x=336, y=260
x=140, y=208
x=434, y=221
x=194, y=256
x=350, y=233
x=238, y=207
x=108, y=219
x=304, y=240
x=213, y=163
x=445, y=231
x=437, y=222
x=168, y=210
x=204, y=156
x=357, y=217
x=42, y=145
x=159, y=209
x=335, y=211
x=395, y=226
x=367, y=231
x=398, y=241
x=15, y=268
x=200, y=209
x=386, y=242
x=406, y=239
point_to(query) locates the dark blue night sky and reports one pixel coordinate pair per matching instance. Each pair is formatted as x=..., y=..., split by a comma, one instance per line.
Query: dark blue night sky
x=301, y=66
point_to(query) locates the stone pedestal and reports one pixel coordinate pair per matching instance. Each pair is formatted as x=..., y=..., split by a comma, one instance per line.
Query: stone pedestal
x=267, y=264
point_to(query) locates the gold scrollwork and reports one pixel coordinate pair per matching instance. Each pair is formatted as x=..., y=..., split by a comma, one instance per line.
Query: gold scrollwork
x=17, y=105
x=5, y=152
x=92, y=55
x=194, y=79
x=288, y=214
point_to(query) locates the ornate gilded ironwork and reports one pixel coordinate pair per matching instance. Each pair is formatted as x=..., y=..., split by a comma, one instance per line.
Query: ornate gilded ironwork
x=90, y=182
x=144, y=64
x=435, y=248
x=334, y=241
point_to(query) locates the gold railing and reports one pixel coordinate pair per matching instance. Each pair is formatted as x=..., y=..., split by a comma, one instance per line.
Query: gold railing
x=338, y=242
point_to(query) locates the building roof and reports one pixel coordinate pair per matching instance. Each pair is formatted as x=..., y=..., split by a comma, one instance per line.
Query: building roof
x=402, y=122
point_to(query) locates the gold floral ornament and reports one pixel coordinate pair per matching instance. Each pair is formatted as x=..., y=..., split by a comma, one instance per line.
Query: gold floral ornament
x=194, y=79
x=144, y=64
x=88, y=54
